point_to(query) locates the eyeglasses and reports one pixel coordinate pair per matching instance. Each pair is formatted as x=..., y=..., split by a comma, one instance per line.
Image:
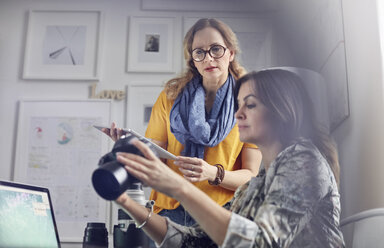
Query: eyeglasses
x=216, y=52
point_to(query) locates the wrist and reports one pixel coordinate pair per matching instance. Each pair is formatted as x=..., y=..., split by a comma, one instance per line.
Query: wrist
x=219, y=175
x=180, y=192
x=213, y=173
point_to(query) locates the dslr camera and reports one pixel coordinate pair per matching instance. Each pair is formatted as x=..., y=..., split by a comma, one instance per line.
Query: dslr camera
x=111, y=179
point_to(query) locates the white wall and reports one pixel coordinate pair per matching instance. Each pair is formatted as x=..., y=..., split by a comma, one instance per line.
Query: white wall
x=304, y=41
x=13, y=25
x=360, y=137
x=13, y=22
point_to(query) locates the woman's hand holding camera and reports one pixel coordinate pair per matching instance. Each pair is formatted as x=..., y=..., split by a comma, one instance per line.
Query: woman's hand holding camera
x=150, y=170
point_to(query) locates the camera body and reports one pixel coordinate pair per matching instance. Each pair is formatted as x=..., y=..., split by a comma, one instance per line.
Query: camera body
x=111, y=179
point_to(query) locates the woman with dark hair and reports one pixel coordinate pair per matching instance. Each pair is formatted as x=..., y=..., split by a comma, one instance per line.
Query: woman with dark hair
x=292, y=117
x=292, y=202
x=194, y=117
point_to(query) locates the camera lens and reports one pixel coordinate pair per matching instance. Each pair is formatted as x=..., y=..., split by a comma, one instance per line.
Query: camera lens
x=110, y=180
x=95, y=235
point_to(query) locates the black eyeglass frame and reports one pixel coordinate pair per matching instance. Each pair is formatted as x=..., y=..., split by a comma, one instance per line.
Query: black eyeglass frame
x=208, y=51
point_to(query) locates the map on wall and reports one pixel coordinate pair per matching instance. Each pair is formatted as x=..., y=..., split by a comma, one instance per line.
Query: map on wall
x=61, y=152
x=58, y=148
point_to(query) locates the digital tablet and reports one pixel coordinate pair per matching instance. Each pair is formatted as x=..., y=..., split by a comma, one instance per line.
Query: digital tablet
x=161, y=152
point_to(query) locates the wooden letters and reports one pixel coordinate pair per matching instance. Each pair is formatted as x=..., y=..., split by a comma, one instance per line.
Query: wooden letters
x=107, y=94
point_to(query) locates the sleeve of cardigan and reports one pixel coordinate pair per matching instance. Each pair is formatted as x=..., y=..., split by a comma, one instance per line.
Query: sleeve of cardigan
x=241, y=232
x=178, y=235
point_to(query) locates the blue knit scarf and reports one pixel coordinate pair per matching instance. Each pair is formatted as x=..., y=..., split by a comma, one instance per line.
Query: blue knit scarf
x=190, y=123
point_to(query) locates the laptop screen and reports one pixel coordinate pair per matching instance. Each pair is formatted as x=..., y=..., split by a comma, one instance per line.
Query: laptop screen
x=26, y=217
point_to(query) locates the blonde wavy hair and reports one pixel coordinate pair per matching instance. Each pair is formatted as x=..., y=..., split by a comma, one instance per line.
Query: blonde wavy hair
x=174, y=86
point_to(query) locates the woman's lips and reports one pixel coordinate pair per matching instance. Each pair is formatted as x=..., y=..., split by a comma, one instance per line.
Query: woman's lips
x=210, y=68
x=242, y=127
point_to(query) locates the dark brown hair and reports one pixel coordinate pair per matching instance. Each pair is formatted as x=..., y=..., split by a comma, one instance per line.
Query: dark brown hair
x=291, y=110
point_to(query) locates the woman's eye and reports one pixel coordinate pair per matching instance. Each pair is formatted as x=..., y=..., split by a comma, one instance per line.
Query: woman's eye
x=250, y=106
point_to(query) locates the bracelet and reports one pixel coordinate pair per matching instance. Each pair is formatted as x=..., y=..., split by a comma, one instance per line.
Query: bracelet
x=148, y=205
x=219, y=175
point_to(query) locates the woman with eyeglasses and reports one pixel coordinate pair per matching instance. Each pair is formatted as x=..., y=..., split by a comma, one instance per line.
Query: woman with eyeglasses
x=193, y=118
x=292, y=202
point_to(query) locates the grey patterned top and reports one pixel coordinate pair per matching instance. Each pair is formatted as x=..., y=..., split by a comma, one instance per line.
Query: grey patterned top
x=294, y=204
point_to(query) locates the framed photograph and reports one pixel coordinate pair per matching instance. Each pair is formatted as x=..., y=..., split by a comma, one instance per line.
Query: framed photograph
x=57, y=147
x=150, y=45
x=140, y=100
x=335, y=75
x=331, y=58
x=318, y=43
x=209, y=6
x=63, y=45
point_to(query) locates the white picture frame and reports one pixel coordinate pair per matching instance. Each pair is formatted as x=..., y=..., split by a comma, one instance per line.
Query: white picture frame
x=64, y=165
x=63, y=45
x=151, y=44
x=245, y=6
x=141, y=96
x=140, y=99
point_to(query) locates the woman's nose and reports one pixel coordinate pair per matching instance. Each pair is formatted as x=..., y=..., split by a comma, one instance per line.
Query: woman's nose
x=238, y=114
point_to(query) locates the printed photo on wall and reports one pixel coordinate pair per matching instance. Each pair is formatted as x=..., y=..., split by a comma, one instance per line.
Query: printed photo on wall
x=150, y=46
x=63, y=45
x=152, y=43
x=141, y=96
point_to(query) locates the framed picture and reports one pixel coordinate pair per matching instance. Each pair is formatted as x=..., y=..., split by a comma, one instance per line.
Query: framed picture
x=63, y=45
x=150, y=46
x=331, y=58
x=254, y=39
x=211, y=6
x=140, y=100
x=58, y=148
x=320, y=45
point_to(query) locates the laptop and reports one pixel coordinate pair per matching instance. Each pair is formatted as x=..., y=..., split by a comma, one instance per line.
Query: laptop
x=26, y=217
